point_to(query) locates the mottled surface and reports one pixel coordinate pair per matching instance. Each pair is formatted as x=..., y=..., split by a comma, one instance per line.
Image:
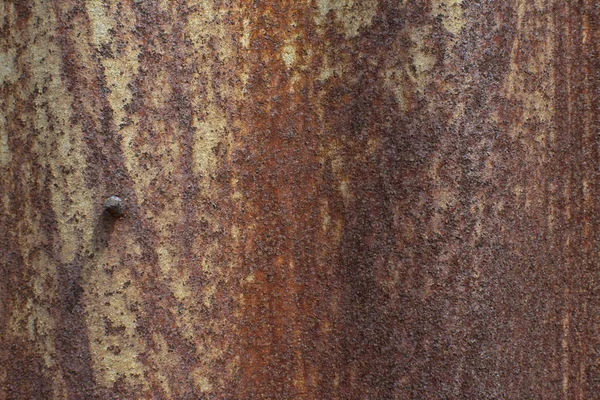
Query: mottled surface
x=332, y=199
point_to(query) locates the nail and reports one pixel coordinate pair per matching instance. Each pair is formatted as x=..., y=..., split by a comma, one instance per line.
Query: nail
x=114, y=206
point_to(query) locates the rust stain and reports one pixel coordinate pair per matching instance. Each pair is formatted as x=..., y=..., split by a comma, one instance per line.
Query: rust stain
x=324, y=199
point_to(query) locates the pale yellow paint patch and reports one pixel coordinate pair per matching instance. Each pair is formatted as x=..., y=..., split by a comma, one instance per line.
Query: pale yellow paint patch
x=537, y=104
x=210, y=122
x=251, y=278
x=337, y=166
x=288, y=54
x=245, y=39
x=422, y=61
x=5, y=154
x=202, y=382
x=165, y=359
x=451, y=13
x=101, y=24
x=70, y=200
x=325, y=215
x=207, y=23
x=326, y=70
x=209, y=134
x=165, y=259
x=235, y=233
x=325, y=73
x=566, y=328
x=120, y=69
x=9, y=72
x=108, y=301
x=353, y=14
x=134, y=144
x=182, y=292
x=119, y=73
x=208, y=294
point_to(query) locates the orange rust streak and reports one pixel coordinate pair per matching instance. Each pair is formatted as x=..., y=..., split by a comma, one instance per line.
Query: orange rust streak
x=280, y=187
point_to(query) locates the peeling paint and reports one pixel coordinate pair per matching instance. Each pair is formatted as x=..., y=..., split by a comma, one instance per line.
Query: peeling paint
x=451, y=13
x=354, y=15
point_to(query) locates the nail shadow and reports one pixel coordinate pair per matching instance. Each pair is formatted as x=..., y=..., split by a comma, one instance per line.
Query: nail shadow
x=102, y=231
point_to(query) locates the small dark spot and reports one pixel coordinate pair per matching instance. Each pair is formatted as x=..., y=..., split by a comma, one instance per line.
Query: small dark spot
x=114, y=206
x=113, y=330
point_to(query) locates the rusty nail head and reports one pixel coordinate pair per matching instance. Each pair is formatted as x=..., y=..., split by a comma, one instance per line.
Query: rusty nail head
x=114, y=206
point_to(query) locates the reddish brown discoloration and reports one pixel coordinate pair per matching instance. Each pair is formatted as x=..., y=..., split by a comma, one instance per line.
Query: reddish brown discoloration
x=376, y=200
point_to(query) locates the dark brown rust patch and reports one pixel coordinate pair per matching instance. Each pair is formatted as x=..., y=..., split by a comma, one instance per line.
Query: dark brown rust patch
x=27, y=376
x=72, y=341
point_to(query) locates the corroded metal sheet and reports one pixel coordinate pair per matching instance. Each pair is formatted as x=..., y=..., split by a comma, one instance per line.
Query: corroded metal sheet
x=320, y=199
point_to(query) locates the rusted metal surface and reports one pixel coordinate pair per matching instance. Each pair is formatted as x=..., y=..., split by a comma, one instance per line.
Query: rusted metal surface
x=323, y=199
